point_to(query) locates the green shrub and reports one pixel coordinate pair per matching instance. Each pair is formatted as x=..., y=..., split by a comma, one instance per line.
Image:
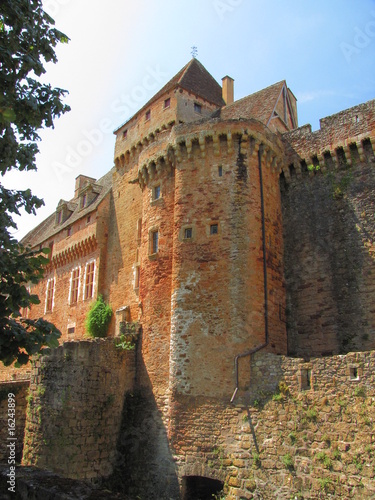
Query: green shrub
x=287, y=460
x=98, y=318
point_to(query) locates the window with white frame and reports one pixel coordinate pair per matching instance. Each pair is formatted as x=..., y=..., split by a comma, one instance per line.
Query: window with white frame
x=74, y=286
x=50, y=290
x=89, y=280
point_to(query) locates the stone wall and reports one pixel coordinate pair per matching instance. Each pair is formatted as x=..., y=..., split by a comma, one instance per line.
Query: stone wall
x=329, y=232
x=303, y=430
x=19, y=390
x=74, y=410
x=312, y=438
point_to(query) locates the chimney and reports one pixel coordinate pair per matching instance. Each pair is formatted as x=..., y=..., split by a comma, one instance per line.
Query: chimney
x=228, y=89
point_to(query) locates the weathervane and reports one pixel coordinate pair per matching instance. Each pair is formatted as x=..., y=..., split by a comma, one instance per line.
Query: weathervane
x=194, y=51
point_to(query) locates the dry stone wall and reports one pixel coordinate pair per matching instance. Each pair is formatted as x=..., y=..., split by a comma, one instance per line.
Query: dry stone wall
x=74, y=407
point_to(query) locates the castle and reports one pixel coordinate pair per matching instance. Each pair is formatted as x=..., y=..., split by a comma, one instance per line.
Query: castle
x=240, y=248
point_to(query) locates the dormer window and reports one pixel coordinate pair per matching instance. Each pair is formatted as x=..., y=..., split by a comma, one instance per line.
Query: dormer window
x=148, y=115
x=88, y=194
x=63, y=212
x=198, y=108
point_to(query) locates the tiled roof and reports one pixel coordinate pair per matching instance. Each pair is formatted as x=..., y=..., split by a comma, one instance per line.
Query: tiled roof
x=48, y=227
x=194, y=78
x=259, y=105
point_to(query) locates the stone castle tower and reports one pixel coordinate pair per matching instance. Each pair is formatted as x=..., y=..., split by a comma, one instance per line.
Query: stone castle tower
x=233, y=238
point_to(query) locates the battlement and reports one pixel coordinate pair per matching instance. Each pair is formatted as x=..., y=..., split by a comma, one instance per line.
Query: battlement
x=343, y=139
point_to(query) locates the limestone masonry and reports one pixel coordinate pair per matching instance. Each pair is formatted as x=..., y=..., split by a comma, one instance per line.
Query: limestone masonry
x=238, y=249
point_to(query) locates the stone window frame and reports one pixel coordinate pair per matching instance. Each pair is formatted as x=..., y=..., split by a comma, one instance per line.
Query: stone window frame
x=182, y=234
x=89, y=285
x=167, y=103
x=136, y=276
x=152, y=242
x=50, y=295
x=305, y=377
x=213, y=228
x=198, y=108
x=354, y=372
x=156, y=193
x=74, y=285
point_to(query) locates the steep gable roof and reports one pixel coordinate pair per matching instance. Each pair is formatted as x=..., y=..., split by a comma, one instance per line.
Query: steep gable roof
x=261, y=105
x=194, y=78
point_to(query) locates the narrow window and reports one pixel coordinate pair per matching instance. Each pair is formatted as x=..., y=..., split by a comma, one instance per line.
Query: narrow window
x=188, y=233
x=125, y=134
x=89, y=280
x=305, y=378
x=139, y=231
x=88, y=219
x=148, y=115
x=74, y=286
x=59, y=217
x=167, y=103
x=354, y=373
x=136, y=277
x=69, y=231
x=154, y=242
x=84, y=200
x=220, y=171
x=156, y=193
x=197, y=108
x=49, y=294
x=214, y=229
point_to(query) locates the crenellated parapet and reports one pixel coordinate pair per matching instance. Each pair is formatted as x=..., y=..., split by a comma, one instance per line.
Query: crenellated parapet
x=214, y=137
x=341, y=154
x=131, y=152
x=343, y=139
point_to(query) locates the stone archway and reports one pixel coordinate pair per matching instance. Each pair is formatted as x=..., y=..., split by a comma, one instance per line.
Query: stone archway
x=200, y=488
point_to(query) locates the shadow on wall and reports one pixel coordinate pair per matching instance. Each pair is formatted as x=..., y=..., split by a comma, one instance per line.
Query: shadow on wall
x=144, y=466
x=329, y=261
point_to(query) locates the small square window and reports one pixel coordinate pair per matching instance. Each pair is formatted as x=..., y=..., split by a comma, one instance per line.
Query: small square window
x=125, y=134
x=71, y=330
x=148, y=115
x=167, y=103
x=354, y=373
x=156, y=193
x=154, y=242
x=197, y=108
x=188, y=233
x=214, y=229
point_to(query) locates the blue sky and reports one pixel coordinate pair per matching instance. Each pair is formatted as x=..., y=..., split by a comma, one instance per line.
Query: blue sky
x=121, y=53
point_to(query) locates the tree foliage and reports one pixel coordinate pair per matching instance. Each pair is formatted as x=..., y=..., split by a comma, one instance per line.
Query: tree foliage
x=27, y=41
x=98, y=318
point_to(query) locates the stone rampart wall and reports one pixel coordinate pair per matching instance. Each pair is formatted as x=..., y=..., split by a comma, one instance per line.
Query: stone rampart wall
x=74, y=410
